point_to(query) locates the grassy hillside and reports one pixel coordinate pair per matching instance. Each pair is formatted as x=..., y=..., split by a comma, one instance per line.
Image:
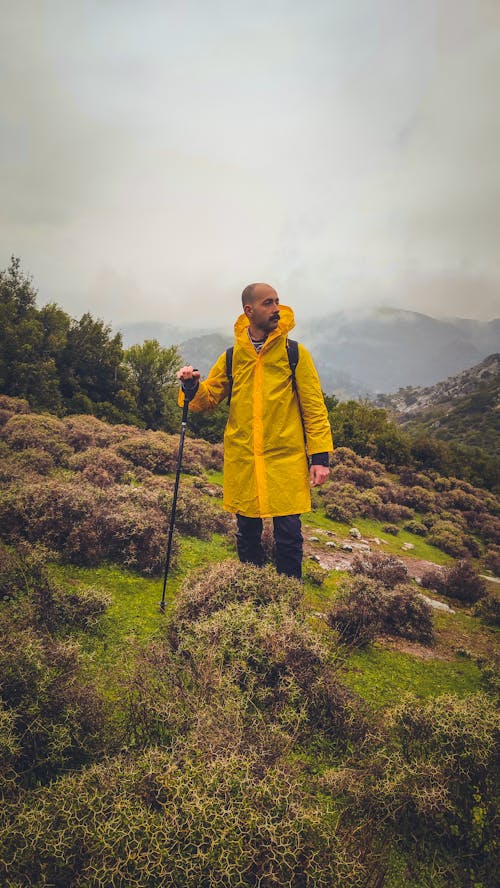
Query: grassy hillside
x=341, y=732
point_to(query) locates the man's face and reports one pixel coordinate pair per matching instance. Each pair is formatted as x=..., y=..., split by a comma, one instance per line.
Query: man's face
x=263, y=313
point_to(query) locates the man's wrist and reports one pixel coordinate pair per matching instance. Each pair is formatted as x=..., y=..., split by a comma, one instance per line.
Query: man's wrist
x=320, y=459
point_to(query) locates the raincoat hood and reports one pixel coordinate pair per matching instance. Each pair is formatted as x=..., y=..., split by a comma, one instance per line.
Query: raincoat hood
x=285, y=324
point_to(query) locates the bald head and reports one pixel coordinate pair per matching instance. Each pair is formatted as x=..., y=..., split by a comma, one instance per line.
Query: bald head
x=253, y=290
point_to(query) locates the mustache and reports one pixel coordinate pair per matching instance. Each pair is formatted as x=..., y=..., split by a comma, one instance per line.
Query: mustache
x=276, y=316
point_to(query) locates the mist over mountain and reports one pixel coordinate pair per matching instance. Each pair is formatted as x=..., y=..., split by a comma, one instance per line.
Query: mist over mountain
x=358, y=353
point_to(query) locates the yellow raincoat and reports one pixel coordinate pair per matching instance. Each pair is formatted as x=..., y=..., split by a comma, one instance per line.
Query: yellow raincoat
x=265, y=463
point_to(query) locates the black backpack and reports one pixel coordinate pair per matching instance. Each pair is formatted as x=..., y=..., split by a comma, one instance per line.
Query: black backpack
x=292, y=349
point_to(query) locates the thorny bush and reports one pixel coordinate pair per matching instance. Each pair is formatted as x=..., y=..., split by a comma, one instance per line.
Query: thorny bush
x=213, y=588
x=438, y=779
x=155, y=820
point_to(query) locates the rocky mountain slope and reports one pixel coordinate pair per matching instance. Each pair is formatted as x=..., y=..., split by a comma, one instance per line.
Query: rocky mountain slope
x=464, y=407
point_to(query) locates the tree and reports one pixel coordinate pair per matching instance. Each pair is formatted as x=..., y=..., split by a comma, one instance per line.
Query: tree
x=28, y=341
x=91, y=365
x=153, y=372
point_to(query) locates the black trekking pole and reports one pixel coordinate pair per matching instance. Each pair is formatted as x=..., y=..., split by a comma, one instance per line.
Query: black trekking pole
x=174, y=501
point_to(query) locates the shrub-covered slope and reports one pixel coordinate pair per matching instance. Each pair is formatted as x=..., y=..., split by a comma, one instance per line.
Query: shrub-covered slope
x=247, y=736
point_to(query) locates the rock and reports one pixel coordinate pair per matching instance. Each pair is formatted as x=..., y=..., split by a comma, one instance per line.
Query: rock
x=331, y=533
x=315, y=558
x=437, y=605
x=331, y=544
x=314, y=539
x=346, y=547
x=355, y=533
x=376, y=541
x=407, y=546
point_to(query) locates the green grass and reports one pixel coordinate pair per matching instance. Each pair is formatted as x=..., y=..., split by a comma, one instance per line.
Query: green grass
x=134, y=612
x=370, y=528
x=383, y=677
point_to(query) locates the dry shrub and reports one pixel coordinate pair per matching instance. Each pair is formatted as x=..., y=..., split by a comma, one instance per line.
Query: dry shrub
x=393, y=512
x=123, y=524
x=411, y=478
x=387, y=569
x=416, y=527
x=406, y=614
x=365, y=609
x=459, y=581
x=488, y=608
x=218, y=585
x=314, y=573
x=14, y=405
x=447, y=536
x=416, y=497
x=492, y=559
x=87, y=525
x=487, y=526
x=280, y=666
x=33, y=461
x=40, y=432
x=42, y=602
x=342, y=501
x=357, y=612
x=391, y=528
x=152, y=820
x=356, y=475
x=203, y=453
x=347, y=457
x=83, y=431
x=158, y=453
x=153, y=451
x=95, y=459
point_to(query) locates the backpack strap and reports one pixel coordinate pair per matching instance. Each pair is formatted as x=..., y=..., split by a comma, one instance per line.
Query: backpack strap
x=229, y=372
x=292, y=348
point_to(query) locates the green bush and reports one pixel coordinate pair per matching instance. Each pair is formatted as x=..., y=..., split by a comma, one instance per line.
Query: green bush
x=57, y=717
x=432, y=786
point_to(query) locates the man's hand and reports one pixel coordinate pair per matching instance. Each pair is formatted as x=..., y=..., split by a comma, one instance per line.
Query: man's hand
x=319, y=474
x=187, y=372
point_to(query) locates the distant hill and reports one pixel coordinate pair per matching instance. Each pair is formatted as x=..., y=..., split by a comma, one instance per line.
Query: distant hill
x=360, y=353
x=385, y=349
x=464, y=408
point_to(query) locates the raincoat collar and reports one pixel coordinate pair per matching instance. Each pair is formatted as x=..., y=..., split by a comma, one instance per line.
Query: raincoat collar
x=285, y=324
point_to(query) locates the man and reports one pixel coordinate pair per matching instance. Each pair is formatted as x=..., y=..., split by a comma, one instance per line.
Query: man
x=266, y=472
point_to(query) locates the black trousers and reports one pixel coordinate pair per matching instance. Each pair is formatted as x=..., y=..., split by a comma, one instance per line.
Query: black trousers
x=287, y=538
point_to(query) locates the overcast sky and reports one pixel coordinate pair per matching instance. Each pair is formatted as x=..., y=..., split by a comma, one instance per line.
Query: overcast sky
x=158, y=156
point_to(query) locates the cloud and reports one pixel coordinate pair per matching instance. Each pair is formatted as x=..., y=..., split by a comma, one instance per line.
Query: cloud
x=156, y=158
